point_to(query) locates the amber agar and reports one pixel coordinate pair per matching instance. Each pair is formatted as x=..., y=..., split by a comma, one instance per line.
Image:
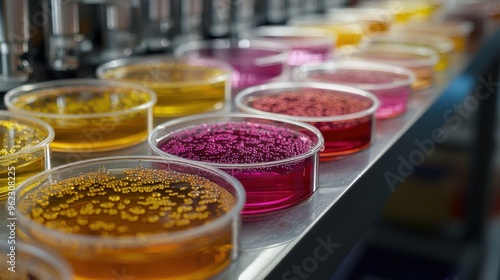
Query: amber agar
x=374, y=20
x=349, y=33
x=405, y=11
x=87, y=115
x=153, y=218
x=24, y=149
x=183, y=86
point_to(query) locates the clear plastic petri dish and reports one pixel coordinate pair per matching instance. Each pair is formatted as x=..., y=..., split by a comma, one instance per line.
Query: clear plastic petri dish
x=457, y=31
x=306, y=44
x=374, y=20
x=275, y=159
x=21, y=260
x=420, y=60
x=344, y=115
x=442, y=45
x=405, y=11
x=143, y=217
x=87, y=115
x=390, y=84
x=350, y=32
x=183, y=86
x=254, y=61
x=24, y=151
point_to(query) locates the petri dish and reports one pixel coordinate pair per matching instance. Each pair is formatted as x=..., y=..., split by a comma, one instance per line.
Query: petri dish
x=401, y=12
x=350, y=33
x=344, y=115
x=456, y=31
x=21, y=260
x=420, y=60
x=275, y=159
x=405, y=11
x=87, y=115
x=183, y=86
x=442, y=45
x=24, y=151
x=254, y=61
x=143, y=217
x=390, y=84
x=306, y=45
x=374, y=20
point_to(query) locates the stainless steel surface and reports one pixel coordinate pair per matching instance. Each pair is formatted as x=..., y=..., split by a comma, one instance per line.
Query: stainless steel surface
x=14, y=37
x=187, y=19
x=64, y=38
x=225, y=18
x=158, y=23
x=13, y=24
x=64, y=17
x=273, y=11
x=310, y=6
x=215, y=18
x=110, y=29
x=242, y=16
x=118, y=16
x=121, y=37
x=63, y=52
x=293, y=9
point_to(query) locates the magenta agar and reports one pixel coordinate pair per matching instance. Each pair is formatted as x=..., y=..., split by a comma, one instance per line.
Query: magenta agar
x=242, y=149
x=392, y=89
